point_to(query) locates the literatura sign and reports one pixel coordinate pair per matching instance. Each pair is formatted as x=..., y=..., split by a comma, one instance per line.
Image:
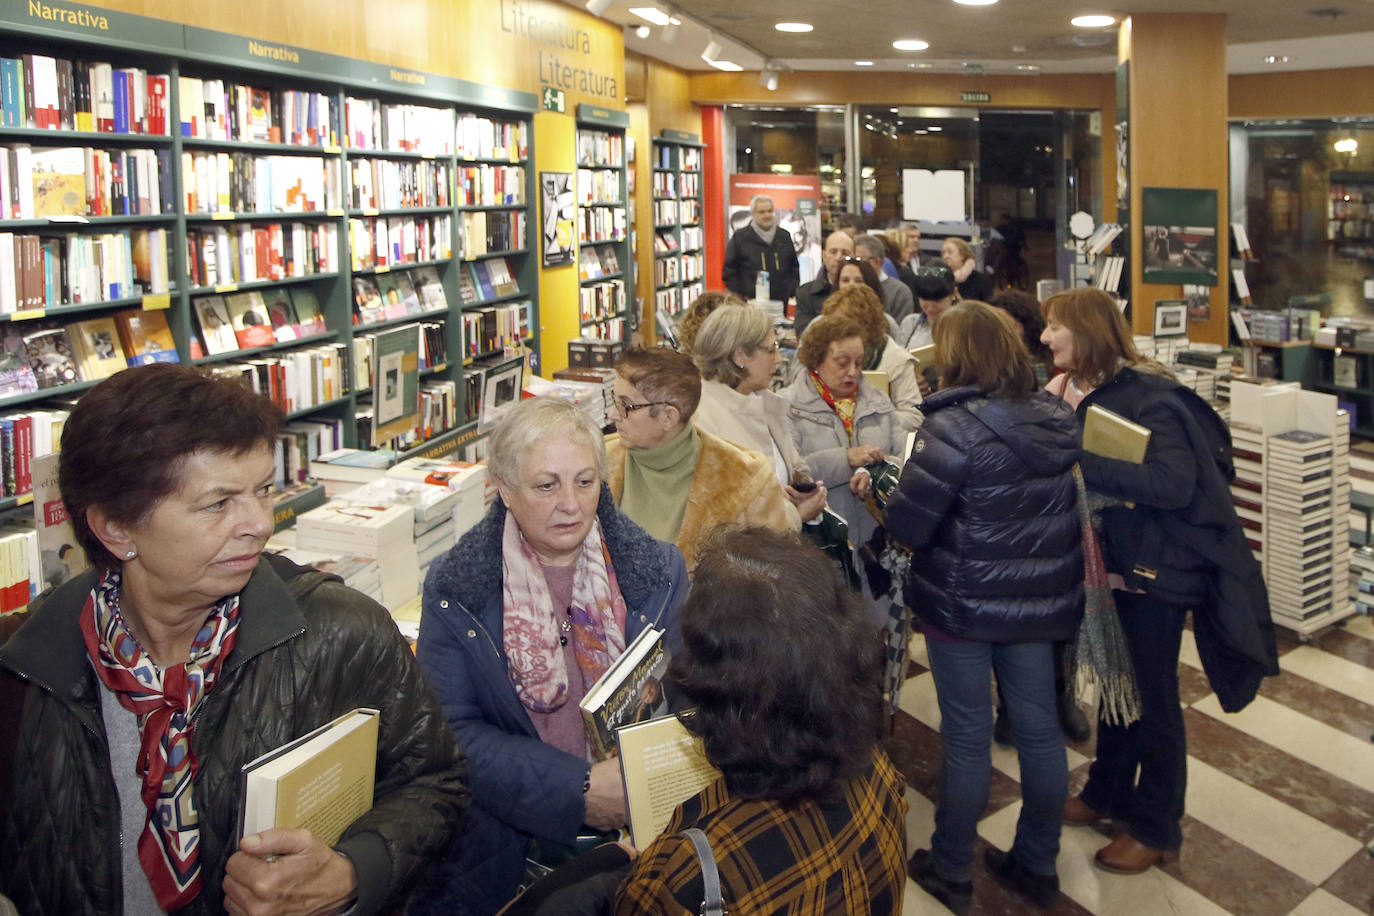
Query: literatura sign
x=564, y=51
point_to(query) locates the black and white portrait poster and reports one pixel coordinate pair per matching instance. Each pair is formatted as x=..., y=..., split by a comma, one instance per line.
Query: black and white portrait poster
x=559, y=210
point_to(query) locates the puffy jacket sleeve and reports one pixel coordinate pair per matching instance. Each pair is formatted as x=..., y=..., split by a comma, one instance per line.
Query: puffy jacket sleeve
x=1166, y=478
x=420, y=795
x=930, y=481
x=533, y=786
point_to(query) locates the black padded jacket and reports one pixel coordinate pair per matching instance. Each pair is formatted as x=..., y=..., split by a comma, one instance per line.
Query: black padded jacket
x=309, y=649
x=988, y=505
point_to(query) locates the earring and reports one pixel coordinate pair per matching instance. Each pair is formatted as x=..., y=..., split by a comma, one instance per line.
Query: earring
x=131, y=554
x=739, y=367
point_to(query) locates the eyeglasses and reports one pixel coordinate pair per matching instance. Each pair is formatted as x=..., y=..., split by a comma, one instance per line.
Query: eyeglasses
x=626, y=408
x=941, y=270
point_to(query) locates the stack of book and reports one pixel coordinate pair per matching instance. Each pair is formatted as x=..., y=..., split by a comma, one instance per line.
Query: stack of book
x=468, y=480
x=344, y=469
x=434, y=508
x=1300, y=533
x=360, y=529
x=361, y=573
x=590, y=389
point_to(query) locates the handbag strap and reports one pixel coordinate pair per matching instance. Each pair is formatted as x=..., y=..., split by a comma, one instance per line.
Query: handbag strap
x=712, y=904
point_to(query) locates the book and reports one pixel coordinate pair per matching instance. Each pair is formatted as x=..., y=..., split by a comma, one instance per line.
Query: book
x=321, y=782
x=309, y=316
x=878, y=380
x=95, y=343
x=60, y=556
x=248, y=312
x=216, y=329
x=924, y=356
x=662, y=765
x=392, y=304
x=1113, y=436
x=395, y=382
x=1345, y=371
x=367, y=301
x=59, y=182
x=51, y=357
x=16, y=375
x=631, y=690
x=281, y=314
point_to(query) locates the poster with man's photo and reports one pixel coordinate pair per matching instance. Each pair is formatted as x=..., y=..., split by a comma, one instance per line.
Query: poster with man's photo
x=795, y=207
x=1179, y=235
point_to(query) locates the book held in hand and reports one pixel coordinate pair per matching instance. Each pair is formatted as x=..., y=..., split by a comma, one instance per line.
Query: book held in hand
x=663, y=765
x=630, y=691
x=1113, y=436
x=321, y=782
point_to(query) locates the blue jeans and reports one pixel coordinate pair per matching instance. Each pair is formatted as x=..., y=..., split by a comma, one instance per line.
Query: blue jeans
x=1025, y=672
x=1155, y=744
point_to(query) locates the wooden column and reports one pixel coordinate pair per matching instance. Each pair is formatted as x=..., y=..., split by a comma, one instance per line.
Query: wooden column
x=1177, y=136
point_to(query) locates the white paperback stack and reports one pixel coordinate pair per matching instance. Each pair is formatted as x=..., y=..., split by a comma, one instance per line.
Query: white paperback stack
x=1302, y=440
x=433, y=506
x=383, y=532
x=469, y=481
x=593, y=398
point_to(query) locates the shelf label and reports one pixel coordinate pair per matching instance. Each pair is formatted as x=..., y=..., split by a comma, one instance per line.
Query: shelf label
x=28, y=314
x=227, y=288
x=222, y=214
x=333, y=149
x=372, y=213
x=334, y=212
x=23, y=499
x=157, y=301
x=383, y=269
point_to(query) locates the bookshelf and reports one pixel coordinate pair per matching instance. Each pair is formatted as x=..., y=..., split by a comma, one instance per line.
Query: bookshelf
x=605, y=258
x=679, y=238
x=231, y=177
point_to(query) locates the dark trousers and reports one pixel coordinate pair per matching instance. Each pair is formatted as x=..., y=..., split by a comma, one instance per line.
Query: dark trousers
x=1155, y=745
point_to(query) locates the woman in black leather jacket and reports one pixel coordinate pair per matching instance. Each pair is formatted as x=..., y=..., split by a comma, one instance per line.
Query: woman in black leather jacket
x=988, y=505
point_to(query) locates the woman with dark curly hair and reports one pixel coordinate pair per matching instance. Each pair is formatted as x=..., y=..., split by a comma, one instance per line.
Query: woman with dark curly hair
x=808, y=807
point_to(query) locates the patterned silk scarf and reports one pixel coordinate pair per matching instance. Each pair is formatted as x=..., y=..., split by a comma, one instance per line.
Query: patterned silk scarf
x=530, y=631
x=165, y=701
x=844, y=409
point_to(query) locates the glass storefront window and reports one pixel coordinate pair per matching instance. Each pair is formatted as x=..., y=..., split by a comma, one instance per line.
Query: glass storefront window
x=1304, y=190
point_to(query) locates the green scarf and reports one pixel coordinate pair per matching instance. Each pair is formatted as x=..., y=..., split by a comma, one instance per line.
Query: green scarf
x=657, y=481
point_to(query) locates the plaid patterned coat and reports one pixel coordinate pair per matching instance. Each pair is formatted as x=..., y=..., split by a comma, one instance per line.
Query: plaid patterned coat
x=835, y=859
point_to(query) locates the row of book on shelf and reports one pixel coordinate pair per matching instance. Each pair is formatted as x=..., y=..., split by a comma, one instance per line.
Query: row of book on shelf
x=78, y=181
x=668, y=185
x=239, y=182
x=41, y=272
x=598, y=186
x=225, y=253
x=483, y=231
x=485, y=279
x=692, y=239
x=385, y=184
x=601, y=224
x=43, y=354
x=597, y=261
x=494, y=327
x=600, y=149
x=392, y=240
x=53, y=93
x=602, y=300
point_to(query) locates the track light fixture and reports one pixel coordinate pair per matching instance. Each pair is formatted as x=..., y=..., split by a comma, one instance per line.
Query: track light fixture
x=670, y=29
x=712, y=49
x=768, y=77
x=598, y=7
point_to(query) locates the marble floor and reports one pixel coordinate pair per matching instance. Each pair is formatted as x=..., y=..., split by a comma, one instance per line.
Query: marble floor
x=1280, y=804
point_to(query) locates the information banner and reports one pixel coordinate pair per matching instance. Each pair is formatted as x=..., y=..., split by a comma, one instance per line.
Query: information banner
x=796, y=208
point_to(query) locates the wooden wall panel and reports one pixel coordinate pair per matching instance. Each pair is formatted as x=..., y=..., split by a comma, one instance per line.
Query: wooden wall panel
x=1305, y=94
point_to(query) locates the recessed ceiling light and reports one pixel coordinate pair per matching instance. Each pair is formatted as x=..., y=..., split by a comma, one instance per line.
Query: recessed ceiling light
x=910, y=44
x=1085, y=22
x=651, y=14
x=727, y=65
x=935, y=129
x=863, y=63
x=975, y=2
x=794, y=27
x=1278, y=59
x=1028, y=68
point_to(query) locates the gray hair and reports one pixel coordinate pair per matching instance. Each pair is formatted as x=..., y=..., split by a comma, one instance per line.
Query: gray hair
x=726, y=328
x=539, y=420
x=872, y=247
x=758, y=197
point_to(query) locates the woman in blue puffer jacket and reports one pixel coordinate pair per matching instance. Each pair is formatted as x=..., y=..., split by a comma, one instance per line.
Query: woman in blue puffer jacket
x=988, y=506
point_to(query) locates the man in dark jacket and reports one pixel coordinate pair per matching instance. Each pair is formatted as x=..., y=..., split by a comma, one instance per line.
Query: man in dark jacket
x=308, y=650
x=811, y=296
x=762, y=245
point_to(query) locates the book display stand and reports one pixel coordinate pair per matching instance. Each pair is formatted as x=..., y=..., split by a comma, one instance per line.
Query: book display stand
x=679, y=239
x=261, y=210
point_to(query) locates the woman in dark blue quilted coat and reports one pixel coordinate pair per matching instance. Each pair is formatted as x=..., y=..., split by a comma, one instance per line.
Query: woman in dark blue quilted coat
x=988, y=506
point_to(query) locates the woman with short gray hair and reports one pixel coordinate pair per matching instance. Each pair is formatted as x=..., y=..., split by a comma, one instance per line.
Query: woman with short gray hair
x=519, y=620
x=736, y=352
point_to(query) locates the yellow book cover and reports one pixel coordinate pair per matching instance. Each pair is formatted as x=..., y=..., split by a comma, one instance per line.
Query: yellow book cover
x=97, y=346
x=663, y=765
x=59, y=182
x=924, y=356
x=321, y=782
x=878, y=380
x=1113, y=436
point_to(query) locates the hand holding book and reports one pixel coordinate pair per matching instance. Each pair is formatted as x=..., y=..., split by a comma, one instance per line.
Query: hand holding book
x=277, y=869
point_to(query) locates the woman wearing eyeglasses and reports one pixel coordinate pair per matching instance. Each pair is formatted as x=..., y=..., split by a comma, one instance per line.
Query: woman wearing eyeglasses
x=679, y=482
x=520, y=619
x=736, y=351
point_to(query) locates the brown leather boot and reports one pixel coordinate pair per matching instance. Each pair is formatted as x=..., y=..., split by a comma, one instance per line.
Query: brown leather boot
x=1126, y=855
x=1078, y=814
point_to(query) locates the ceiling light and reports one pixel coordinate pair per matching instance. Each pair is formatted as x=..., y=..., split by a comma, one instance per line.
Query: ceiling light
x=893, y=110
x=1093, y=22
x=1348, y=145
x=650, y=14
x=728, y=66
x=712, y=49
x=1028, y=68
x=975, y=2
x=642, y=31
x=1278, y=59
x=863, y=63
x=597, y=7
x=794, y=26
x=935, y=129
x=910, y=44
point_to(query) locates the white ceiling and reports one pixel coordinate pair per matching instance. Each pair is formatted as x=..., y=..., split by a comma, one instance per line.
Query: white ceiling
x=1316, y=34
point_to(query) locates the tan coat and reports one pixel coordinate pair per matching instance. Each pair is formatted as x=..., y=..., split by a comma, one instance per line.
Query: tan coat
x=732, y=486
